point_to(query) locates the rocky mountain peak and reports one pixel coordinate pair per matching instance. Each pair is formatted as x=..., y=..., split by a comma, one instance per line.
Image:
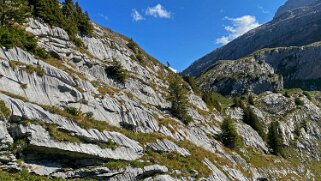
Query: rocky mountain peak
x=293, y=4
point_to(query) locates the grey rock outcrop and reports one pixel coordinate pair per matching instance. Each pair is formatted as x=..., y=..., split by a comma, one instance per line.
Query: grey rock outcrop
x=240, y=77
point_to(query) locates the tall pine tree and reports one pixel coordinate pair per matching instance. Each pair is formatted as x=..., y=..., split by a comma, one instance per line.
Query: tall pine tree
x=179, y=100
x=275, y=140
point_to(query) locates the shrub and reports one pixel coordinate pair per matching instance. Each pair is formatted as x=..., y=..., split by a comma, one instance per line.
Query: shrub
x=192, y=82
x=251, y=99
x=275, y=140
x=229, y=135
x=179, y=100
x=40, y=71
x=117, y=72
x=237, y=102
x=4, y=110
x=250, y=118
x=13, y=11
x=211, y=101
x=299, y=102
x=12, y=36
x=132, y=45
x=73, y=111
x=286, y=94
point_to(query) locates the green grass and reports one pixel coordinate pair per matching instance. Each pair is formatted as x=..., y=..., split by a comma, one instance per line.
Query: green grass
x=24, y=175
x=58, y=135
x=4, y=110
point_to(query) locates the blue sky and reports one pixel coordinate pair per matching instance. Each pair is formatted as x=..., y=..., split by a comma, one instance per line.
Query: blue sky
x=181, y=31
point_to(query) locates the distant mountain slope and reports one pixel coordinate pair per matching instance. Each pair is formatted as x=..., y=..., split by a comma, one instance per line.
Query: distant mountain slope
x=293, y=28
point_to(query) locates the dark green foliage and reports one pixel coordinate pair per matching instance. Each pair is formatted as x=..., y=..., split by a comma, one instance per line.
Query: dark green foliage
x=251, y=99
x=250, y=118
x=211, y=101
x=13, y=36
x=73, y=111
x=117, y=72
x=132, y=45
x=299, y=102
x=229, y=135
x=286, y=94
x=237, y=102
x=4, y=111
x=275, y=140
x=70, y=17
x=179, y=100
x=192, y=82
x=13, y=11
x=49, y=11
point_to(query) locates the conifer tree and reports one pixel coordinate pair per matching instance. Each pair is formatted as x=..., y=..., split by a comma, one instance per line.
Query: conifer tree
x=49, y=11
x=275, y=139
x=179, y=100
x=229, y=135
x=13, y=11
x=250, y=118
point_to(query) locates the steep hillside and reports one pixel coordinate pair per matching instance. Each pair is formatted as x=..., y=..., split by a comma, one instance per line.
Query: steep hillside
x=93, y=105
x=293, y=28
x=295, y=67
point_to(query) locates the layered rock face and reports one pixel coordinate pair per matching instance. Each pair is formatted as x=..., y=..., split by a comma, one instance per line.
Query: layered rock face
x=65, y=117
x=301, y=26
x=234, y=78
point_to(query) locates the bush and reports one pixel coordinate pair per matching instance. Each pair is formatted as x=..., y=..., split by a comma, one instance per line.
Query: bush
x=117, y=72
x=4, y=110
x=275, y=140
x=179, y=100
x=251, y=99
x=73, y=111
x=250, y=118
x=237, y=102
x=192, y=82
x=13, y=11
x=229, y=135
x=11, y=36
x=299, y=102
x=211, y=101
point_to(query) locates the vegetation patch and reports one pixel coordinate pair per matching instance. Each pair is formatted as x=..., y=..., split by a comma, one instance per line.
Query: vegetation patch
x=179, y=100
x=117, y=72
x=229, y=135
x=5, y=112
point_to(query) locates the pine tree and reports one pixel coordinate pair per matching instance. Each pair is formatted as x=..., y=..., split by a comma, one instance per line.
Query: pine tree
x=49, y=11
x=13, y=11
x=250, y=118
x=179, y=100
x=229, y=135
x=275, y=140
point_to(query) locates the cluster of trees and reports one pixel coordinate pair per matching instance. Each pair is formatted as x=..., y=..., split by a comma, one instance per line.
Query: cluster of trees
x=177, y=96
x=13, y=13
x=70, y=16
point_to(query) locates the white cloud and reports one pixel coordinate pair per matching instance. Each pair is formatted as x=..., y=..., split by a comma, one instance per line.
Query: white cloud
x=136, y=15
x=239, y=26
x=158, y=11
x=263, y=10
x=106, y=18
